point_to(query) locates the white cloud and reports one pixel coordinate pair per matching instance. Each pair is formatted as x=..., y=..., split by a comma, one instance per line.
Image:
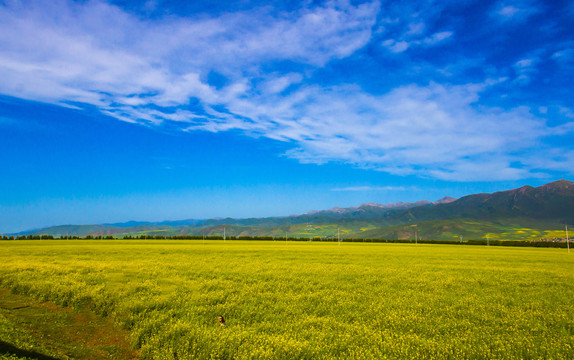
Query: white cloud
x=517, y=10
x=524, y=69
x=416, y=28
x=569, y=113
x=144, y=71
x=94, y=53
x=278, y=84
x=553, y=159
x=565, y=56
x=429, y=131
x=407, y=41
x=396, y=46
x=437, y=37
x=508, y=11
x=524, y=64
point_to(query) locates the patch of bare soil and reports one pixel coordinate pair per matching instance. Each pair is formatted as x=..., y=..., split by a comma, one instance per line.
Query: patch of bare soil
x=62, y=332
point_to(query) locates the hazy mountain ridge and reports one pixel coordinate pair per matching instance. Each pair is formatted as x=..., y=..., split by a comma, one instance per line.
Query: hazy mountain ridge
x=365, y=211
x=549, y=205
x=395, y=206
x=550, y=201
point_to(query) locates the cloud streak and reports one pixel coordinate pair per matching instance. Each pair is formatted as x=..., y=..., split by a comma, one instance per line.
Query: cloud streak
x=159, y=71
x=515, y=10
x=97, y=54
x=432, y=130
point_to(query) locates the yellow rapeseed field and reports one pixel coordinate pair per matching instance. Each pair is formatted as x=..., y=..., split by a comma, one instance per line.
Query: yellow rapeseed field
x=310, y=300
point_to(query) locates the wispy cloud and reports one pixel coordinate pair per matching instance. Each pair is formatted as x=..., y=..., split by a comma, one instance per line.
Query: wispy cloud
x=437, y=37
x=524, y=68
x=568, y=112
x=158, y=71
x=508, y=11
x=564, y=56
x=95, y=53
x=412, y=130
x=517, y=10
x=416, y=28
x=413, y=39
x=396, y=46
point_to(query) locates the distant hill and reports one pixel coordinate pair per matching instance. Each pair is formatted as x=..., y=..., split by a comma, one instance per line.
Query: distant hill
x=522, y=213
x=553, y=201
x=112, y=229
x=373, y=209
x=72, y=230
x=365, y=211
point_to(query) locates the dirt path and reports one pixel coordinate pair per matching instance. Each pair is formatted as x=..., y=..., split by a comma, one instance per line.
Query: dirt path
x=41, y=330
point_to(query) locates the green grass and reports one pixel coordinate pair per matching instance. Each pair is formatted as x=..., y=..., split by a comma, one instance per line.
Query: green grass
x=304, y=300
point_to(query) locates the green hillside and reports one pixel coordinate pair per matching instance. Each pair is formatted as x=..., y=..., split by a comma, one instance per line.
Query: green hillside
x=526, y=213
x=470, y=229
x=452, y=229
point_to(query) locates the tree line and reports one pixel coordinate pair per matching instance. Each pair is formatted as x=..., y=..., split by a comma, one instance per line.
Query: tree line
x=546, y=244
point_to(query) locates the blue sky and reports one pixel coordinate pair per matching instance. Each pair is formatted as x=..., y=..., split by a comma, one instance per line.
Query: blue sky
x=129, y=110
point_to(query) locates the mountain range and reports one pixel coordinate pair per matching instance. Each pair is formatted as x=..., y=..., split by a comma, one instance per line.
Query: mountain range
x=524, y=213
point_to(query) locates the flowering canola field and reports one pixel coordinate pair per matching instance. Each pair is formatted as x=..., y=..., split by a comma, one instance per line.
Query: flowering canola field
x=310, y=300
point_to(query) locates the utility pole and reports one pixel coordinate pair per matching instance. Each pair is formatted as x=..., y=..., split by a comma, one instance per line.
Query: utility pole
x=224, y=234
x=487, y=240
x=567, y=240
x=310, y=230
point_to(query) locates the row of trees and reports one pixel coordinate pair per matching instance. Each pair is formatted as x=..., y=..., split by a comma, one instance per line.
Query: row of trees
x=290, y=238
x=216, y=237
x=28, y=237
